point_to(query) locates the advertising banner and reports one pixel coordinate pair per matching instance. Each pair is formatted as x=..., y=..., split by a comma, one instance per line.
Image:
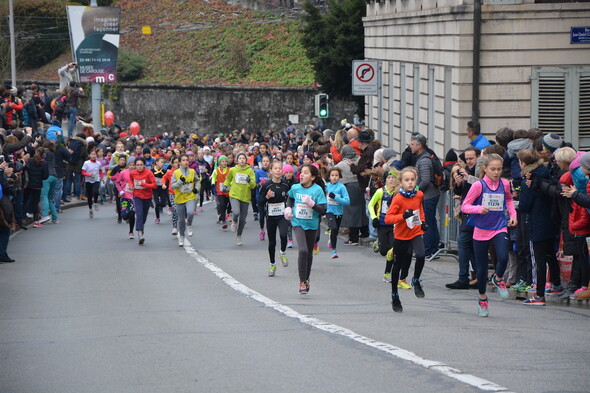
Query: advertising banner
x=94, y=33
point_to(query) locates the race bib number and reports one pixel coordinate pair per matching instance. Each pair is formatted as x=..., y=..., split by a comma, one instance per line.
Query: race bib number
x=186, y=188
x=332, y=201
x=494, y=202
x=414, y=221
x=384, y=207
x=241, y=178
x=303, y=212
x=276, y=209
x=94, y=178
x=159, y=181
x=136, y=184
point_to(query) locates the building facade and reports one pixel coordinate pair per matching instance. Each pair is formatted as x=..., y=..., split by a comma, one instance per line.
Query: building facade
x=503, y=62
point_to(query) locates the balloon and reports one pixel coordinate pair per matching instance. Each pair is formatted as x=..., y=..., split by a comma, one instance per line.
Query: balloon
x=109, y=117
x=134, y=127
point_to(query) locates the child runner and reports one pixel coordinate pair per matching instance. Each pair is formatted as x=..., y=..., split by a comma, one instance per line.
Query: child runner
x=241, y=182
x=289, y=177
x=124, y=195
x=486, y=203
x=337, y=198
x=160, y=194
x=273, y=195
x=378, y=207
x=166, y=185
x=261, y=178
x=205, y=171
x=104, y=162
x=142, y=183
x=92, y=172
x=307, y=201
x=121, y=166
x=219, y=175
x=184, y=184
x=407, y=214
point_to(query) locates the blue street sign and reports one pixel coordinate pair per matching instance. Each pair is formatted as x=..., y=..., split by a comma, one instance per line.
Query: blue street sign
x=580, y=35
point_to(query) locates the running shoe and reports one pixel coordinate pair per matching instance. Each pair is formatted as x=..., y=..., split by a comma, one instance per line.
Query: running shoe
x=403, y=284
x=119, y=220
x=396, y=304
x=532, y=289
x=501, y=285
x=316, y=249
x=520, y=284
x=482, y=308
x=37, y=224
x=548, y=285
x=255, y=216
x=45, y=219
x=307, y=284
x=351, y=243
x=29, y=215
x=329, y=245
x=376, y=246
x=224, y=226
x=272, y=270
x=554, y=290
x=334, y=254
x=90, y=214
x=96, y=208
x=261, y=237
x=141, y=240
x=418, y=291
x=239, y=240
x=387, y=277
x=157, y=220
x=180, y=241
x=131, y=236
x=234, y=226
x=201, y=208
x=174, y=231
x=227, y=217
x=290, y=244
x=303, y=288
x=580, y=290
x=283, y=257
x=189, y=230
x=535, y=301
x=327, y=232
x=169, y=211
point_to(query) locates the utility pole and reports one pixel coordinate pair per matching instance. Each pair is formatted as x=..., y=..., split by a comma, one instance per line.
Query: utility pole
x=96, y=95
x=12, y=43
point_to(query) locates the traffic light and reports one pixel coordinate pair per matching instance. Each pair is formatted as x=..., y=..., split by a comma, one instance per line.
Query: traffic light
x=321, y=105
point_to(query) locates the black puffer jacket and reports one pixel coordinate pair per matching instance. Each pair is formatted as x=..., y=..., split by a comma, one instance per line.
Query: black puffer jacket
x=36, y=173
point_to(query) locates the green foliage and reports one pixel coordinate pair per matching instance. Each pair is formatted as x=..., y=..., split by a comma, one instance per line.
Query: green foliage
x=333, y=41
x=130, y=67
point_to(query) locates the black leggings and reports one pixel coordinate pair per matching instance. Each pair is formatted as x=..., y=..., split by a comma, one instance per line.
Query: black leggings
x=131, y=220
x=205, y=185
x=385, y=239
x=223, y=207
x=272, y=223
x=305, y=241
x=118, y=206
x=544, y=254
x=261, y=213
x=160, y=200
x=334, y=222
x=403, y=258
x=92, y=193
x=33, y=202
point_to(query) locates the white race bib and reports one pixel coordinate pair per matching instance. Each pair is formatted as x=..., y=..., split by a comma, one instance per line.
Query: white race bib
x=414, y=221
x=332, y=201
x=276, y=209
x=384, y=206
x=241, y=178
x=494, y=202
x=303, y=212
x=186, y=188
x=159, y=181
x=136, y=184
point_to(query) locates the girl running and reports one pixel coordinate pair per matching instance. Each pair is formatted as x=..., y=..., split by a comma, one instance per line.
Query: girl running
x=273, y=195
x=219, y=175
x=378, y=206
x=184, y=184
x=167, y=185
x=121, y=166
x=407, y=214
x=337, y=198
x=142, y=183
x=160, y=194
x=241, y=182
x=289, y=177
x=205, y=171
x=92, y=172
x=261, y=179
x=124, y=195
x=486, y=203
x=307, y=201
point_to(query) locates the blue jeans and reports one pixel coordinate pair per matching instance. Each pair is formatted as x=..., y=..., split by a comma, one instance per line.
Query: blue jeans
x=466, y=255
x=142, y=207
x=59, y=187
x=431, y=236
x=372, y=230
x=72, y=117
x=47, y=195
x=76, y=179
x=481, y=258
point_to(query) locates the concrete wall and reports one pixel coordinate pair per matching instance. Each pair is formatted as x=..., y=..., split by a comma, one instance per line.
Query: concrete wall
x=433, y=41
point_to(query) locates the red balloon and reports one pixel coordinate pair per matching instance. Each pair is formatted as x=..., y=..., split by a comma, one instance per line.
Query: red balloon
x=109, y=117
x=134, y=127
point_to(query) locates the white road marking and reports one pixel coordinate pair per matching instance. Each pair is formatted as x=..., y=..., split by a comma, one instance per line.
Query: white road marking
x=400, y=353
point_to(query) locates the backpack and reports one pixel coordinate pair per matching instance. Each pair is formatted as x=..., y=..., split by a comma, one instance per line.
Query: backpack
x=437, y=169
x=59, y=107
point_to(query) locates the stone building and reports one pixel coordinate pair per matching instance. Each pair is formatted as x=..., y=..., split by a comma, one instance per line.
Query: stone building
x=504, y=62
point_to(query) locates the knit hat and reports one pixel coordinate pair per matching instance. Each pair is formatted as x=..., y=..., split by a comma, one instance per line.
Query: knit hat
x=287, y=168
x=552, y=142
x=348, y=152
x=585, y=161
x=389, y=153
x=309, y=155
x=130, y=160
x=221, y=157
x=146, y=150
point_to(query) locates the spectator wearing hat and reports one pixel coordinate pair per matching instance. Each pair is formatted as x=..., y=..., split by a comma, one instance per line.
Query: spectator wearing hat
x=475, y=136
x=430, y=190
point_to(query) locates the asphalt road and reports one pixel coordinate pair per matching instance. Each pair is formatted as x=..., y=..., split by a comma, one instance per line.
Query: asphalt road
x=85, y=309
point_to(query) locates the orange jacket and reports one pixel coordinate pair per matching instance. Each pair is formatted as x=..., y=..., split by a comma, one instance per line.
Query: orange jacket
x=399, y=204
x=337, y=157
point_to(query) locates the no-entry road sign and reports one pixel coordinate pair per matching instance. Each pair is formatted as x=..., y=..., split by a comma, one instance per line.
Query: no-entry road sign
x=365, y=78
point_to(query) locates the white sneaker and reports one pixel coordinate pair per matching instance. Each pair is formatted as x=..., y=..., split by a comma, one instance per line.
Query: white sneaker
x=45, y=219
x=181, y=241
x=234, y=227
x=29, y=215
x=189, y=231
x=90, y=214
x=96, y=208
x=239, y=240
x=174, y=231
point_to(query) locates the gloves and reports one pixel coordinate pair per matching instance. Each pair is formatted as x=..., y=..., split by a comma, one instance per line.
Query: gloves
x=223, y=188
x=195, y=191
x=424, y=227
x=182, y=179
x=247, y=179
x=332, y=195
x=375, y=222
x=288, y=214
x=308, y=201
x=408, y=213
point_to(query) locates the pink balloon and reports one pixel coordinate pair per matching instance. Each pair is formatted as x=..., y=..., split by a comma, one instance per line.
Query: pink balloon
x=109, y=117
x=134, y=127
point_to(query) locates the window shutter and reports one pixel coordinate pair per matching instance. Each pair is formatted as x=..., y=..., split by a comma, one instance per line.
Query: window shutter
x=552, y=105
x=584, y=111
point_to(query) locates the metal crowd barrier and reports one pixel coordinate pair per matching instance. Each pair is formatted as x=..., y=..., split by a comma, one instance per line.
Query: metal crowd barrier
x=448, y=227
